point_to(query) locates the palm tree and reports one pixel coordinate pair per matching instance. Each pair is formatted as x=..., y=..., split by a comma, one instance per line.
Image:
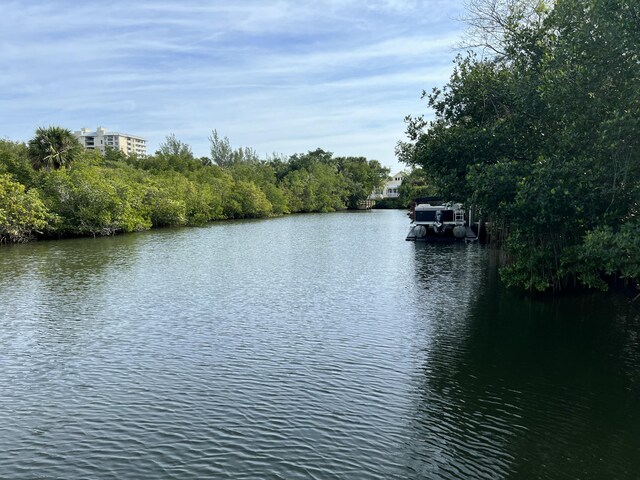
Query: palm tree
x=53, y=147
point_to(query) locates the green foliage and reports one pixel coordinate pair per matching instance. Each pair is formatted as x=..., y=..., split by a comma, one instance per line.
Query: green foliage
x=94, y=201
x=313, y=184
x=110, y=193
x=318, y=182
x=414, y=185
x=361, y=178
x=224, y=156
x=247, y=201
x=174, y=154
x=53, y=147
x=543, y=138
x=262, y=175
x=609, y=252
x=114, y=155
x=22, y=213
x=166, y=207
x=14, y=159
x=390, y=204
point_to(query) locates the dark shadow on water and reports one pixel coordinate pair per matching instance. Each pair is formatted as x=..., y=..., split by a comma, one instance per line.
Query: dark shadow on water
x=516, y=387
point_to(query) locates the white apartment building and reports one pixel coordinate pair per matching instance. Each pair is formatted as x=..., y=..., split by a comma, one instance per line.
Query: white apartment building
x=102, y=138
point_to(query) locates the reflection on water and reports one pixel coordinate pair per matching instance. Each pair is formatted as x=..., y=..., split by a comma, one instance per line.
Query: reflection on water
x=311, y=346
x=520, y=387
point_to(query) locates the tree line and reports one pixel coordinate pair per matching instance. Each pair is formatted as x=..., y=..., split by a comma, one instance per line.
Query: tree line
x=52, y=187
x=538, y=127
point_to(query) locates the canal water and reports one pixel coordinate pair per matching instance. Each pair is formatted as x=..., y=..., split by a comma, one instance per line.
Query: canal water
x=305, y=347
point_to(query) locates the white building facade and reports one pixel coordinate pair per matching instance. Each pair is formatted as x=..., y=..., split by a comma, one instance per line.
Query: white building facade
x=102, y=138
x=391, y=187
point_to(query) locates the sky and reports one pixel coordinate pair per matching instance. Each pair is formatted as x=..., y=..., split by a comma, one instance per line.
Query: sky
x=281, y=76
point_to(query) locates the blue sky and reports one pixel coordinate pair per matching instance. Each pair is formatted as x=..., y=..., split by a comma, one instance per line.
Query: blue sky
x=284, y=76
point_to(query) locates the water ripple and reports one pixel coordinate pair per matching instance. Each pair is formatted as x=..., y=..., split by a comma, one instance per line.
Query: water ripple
x=322, y=347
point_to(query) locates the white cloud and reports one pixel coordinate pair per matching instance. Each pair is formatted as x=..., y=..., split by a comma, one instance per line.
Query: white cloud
x=284, y=76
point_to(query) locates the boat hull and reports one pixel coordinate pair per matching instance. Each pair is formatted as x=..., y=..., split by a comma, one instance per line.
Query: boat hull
x=433, y=234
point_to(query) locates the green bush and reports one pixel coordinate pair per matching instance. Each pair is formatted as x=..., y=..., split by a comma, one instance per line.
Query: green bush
x=22, y=213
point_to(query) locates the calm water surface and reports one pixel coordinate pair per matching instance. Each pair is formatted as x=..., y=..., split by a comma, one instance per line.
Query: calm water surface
x=305, y=347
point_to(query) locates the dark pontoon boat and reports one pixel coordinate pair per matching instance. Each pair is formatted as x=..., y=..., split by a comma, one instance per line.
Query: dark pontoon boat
x=434, y=221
